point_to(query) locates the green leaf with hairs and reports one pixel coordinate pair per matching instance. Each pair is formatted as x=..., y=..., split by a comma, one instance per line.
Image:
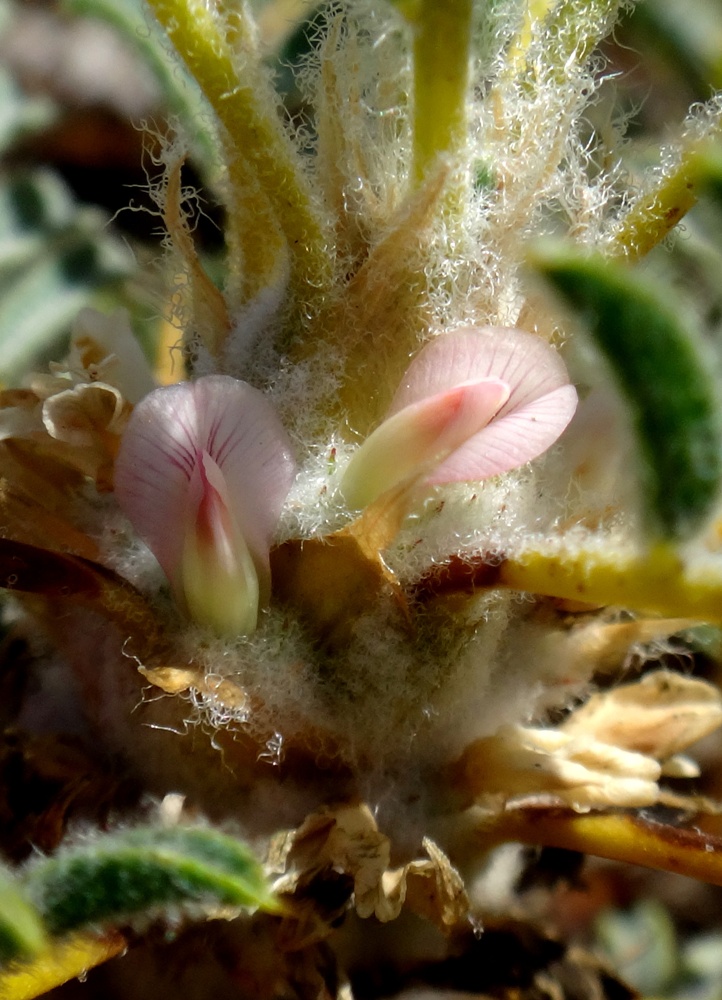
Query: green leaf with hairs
x=664, y=374
x=145, y=873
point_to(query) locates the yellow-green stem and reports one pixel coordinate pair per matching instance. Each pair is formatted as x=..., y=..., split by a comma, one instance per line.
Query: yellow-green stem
x=534, y=14
x=654, y=216
x=442, y=35
x=268, y=190
x=60, y=962
x=656, y=581
x=621, y=837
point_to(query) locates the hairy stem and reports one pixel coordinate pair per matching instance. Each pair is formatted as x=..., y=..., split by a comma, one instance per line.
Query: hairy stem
x=269, y=195
x=656, y=214
x=654, y=581
x=442, y=34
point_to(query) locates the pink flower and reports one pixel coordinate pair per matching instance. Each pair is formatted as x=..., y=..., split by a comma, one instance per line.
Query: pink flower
x=474, y=403
x=202, y=473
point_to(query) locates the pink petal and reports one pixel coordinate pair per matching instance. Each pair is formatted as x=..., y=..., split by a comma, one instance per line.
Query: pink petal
x=168, y=433
x=529, y=365
x=540, y=405
x=251, y=447
x=408, y=445
x=511, y=440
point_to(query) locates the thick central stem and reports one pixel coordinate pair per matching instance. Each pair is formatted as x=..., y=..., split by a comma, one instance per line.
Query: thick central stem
x=442, y=34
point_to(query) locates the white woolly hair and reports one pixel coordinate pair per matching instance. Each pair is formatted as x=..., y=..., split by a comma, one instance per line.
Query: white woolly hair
x=387, y=697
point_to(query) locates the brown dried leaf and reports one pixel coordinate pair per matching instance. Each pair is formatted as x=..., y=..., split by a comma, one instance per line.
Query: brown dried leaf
x=435, y=890
x=175, y=680
x=659, y=715
x=27, y=519
x=347, y=840
x=210, y=313
x=28, y=569
x=332, y=581
x=578, y=770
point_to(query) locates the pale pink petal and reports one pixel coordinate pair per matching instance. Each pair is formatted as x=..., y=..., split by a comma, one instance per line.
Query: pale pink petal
x=218, y=579
x=524, y=361
x=541, y=401
x=154, y=468
x=410, y=443
x=168, y=433
x=248, y=442
x=510, y=440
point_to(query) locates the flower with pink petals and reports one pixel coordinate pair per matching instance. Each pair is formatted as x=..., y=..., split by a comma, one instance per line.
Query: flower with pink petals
x=474, y=403
x=202, y=474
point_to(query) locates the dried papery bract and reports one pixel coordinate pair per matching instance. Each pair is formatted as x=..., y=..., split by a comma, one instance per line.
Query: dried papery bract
x=474, y=403
x=202, y=473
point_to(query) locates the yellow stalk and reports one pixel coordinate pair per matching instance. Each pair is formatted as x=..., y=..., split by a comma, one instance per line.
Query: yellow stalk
x=655, y=581
x=654, y=216
x=168, y=367
x=620, y=837
x=536, y=11
x=57, y=964
x=267, y=187
x=442, y=33
x=572, y=29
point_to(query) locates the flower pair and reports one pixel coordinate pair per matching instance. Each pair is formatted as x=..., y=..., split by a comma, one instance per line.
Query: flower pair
x=205, y=466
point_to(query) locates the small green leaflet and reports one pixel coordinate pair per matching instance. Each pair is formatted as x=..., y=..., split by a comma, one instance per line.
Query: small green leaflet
x=143, y=874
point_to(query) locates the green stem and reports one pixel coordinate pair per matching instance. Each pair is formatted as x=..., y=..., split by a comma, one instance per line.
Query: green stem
x=442, y=35
x=268, y=189
x=655, y=215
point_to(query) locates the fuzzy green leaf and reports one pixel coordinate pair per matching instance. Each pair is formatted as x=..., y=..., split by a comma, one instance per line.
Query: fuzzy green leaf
x=662, y=372
x=145, y=873
x=21, y=932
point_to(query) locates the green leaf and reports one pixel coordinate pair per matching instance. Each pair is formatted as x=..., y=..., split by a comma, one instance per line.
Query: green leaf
x=145, y=873
x=21, y=931
x=21, y=115
x=664, y=375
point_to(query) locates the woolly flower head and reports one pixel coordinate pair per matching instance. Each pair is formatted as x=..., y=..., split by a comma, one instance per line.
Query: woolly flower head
x=205, y=466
